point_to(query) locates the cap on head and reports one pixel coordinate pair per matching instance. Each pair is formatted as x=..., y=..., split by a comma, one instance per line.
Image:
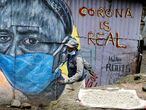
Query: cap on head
x=63, y=12
x=72, y=43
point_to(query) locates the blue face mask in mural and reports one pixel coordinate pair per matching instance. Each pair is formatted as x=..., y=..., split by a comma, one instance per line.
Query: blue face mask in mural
x=29, y=73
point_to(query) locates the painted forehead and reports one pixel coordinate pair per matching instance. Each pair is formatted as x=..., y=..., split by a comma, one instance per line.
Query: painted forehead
x=30, y=13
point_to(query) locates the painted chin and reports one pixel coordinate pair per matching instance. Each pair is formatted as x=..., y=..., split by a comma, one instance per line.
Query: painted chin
x=51, y=93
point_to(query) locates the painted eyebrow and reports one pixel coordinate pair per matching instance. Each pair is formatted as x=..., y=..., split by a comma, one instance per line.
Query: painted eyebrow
x=27, y=29
x=4, y=31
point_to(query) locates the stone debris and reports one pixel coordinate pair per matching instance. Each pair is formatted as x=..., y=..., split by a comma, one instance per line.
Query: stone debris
x=26, y=105
x=144, y=88
x=5, y=96
x=15, y=103
x=20, y=96
x=111, y=98
x=137, y=77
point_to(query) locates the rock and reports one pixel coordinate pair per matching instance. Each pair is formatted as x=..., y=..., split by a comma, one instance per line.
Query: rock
x=6, y=96
x=15, y=103
x=34, y=108
x=26, y=105
x=137, y=77
x=20, y=96
x=144, y=88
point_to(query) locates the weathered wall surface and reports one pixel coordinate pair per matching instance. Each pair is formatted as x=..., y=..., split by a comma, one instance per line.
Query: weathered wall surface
x=31, y=33
x=109, y=33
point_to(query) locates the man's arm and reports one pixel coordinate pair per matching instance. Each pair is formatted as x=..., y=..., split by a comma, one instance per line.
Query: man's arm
x=88, y=67
x=79, y=73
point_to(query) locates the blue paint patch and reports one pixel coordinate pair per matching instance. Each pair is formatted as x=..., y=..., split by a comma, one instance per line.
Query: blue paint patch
x=29, y=73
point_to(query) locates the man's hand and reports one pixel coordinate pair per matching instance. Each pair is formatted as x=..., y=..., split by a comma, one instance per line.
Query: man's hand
x=64, y=80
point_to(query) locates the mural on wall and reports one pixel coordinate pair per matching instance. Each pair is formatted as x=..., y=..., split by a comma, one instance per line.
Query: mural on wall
x=109, y=31
x=32, y=38
x=33, y=34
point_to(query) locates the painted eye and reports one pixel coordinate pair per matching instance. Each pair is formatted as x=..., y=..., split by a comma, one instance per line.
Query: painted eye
x=4, y=38
x=30, y=41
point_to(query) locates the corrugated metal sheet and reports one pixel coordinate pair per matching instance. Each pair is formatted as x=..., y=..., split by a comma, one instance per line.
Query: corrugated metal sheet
x=128, y=28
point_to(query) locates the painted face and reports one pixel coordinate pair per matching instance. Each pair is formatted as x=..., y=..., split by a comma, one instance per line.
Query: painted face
x=28, y=27
x=29, y=35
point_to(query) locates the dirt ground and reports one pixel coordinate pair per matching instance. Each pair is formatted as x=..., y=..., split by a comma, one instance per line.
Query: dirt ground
x=68, y=101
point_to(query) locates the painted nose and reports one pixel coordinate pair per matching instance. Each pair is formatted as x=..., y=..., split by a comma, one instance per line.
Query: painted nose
x=11, y=50
x=14, y=51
